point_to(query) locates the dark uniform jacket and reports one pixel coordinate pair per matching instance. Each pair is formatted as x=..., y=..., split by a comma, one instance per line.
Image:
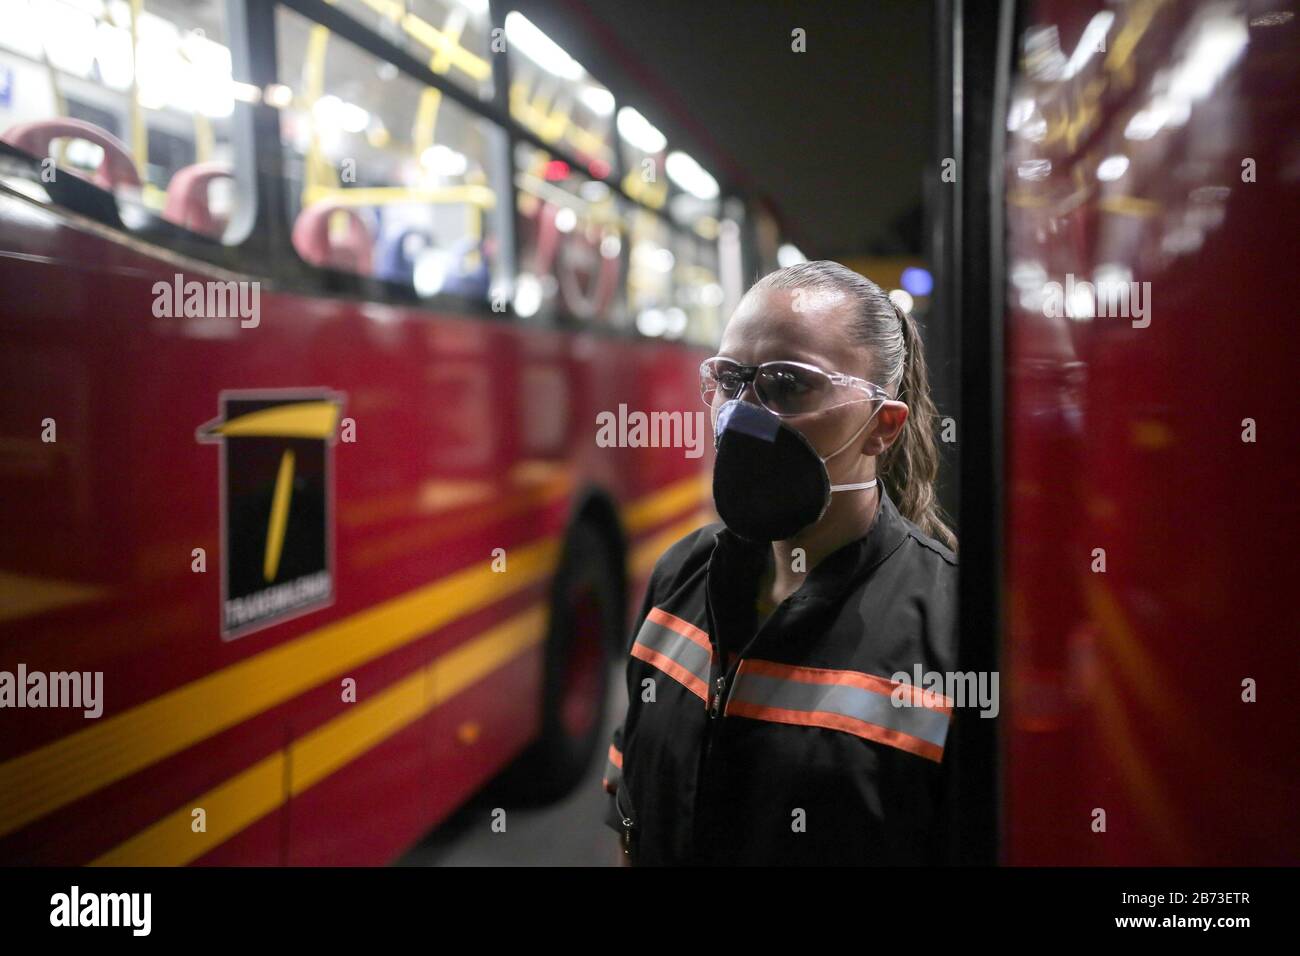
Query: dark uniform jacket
x=790, y=745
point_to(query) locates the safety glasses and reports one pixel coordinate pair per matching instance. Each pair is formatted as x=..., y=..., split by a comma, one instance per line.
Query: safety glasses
x=784, y=388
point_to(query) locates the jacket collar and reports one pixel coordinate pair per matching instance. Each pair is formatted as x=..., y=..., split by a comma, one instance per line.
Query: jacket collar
x=837, y=573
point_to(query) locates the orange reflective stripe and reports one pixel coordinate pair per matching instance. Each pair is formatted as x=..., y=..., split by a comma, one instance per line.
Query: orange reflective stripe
x=674, y=670
x=615, y=757
x=848, y=701
x=684, y=628
x=917, y=696
x=678, y=648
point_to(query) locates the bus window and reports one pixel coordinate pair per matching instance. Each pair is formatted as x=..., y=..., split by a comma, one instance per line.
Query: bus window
x=151, y=112
x=645, y=154
x=694, y=201
x=448, y=36
x=556, y=99
x=570, y=242
x=651, y=262
x=699, y=292
x=387, y=177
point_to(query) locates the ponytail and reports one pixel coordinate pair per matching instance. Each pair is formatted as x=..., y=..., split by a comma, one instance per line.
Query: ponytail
x=910, y=466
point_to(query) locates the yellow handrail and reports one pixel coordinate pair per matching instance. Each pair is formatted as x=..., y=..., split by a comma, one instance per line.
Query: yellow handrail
x=424, y=32
x=480, y=197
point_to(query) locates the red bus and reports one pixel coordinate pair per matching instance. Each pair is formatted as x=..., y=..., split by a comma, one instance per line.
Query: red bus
x=1123, y=227
x=312, y=312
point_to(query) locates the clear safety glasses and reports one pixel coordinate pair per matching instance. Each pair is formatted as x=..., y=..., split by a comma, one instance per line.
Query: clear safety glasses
x=784, y=388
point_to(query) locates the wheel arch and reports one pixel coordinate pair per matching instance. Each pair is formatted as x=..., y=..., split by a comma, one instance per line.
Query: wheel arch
x=595, y=506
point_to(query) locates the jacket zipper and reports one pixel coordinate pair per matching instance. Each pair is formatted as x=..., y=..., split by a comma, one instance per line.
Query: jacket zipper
x=720, y=689
x=717, y=685
x=720, y=686
x=628, y=823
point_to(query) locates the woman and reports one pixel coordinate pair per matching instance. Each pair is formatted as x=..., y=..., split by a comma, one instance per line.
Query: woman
x=765, y=724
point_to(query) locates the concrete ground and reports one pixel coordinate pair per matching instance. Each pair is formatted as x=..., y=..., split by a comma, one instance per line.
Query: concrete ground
x=569, y=833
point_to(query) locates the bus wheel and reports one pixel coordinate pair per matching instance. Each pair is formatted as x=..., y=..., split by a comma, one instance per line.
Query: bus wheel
x=585, y=625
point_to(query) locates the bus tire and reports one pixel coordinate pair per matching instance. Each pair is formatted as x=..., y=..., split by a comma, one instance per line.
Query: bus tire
x=585, y=626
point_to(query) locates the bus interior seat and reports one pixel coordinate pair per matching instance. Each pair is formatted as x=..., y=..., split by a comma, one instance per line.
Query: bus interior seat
x=313, y=241
x=397, y=257
x=187, y=202
x=115, y=168
x=396, y=253
x=470, y=281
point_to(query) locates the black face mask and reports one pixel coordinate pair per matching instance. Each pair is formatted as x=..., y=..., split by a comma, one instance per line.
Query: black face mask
x=768, y=481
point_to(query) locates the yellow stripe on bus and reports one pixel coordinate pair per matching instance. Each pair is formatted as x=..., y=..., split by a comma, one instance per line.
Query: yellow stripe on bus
x=647, y=553
x=238, y=803
x=41, y=781
x=673, y=500
x=53, y=776
x=252, y=794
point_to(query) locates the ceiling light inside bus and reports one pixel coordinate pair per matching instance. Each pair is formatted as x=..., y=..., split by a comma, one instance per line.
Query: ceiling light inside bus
x=1216, y=46
x=21, y=34
x=1093, y=40
x=597, y=99
x=565, y=219
x=69, y=37
x=277, y=96
x=674, y=322
x=245, y=92
x=640, y=132
x=116, y=66
x=335, y=114
x=690, y=175
x=662, y=260
x=444, y=161
x=651, y=322
x=1112, y=168
x=540, y=48
x=789, y=255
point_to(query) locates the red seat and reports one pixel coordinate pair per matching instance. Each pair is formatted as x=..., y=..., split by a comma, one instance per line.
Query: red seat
x=311, y=238
x=187, y=198
x=115, y=169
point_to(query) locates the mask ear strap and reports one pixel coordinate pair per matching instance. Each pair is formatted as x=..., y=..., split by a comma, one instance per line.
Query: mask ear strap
x=854, y=436
x=855, y=487
x=861, y=485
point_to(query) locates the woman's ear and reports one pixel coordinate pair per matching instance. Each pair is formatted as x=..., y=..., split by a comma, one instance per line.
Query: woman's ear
x=888, y=426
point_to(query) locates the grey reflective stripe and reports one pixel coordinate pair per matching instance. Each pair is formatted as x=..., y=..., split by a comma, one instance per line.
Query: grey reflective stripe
x=845, y=700
x=676, y=647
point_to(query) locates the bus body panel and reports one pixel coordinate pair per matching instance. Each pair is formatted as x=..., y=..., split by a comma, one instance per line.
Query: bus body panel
x=1147, y=532
x=471, y=434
